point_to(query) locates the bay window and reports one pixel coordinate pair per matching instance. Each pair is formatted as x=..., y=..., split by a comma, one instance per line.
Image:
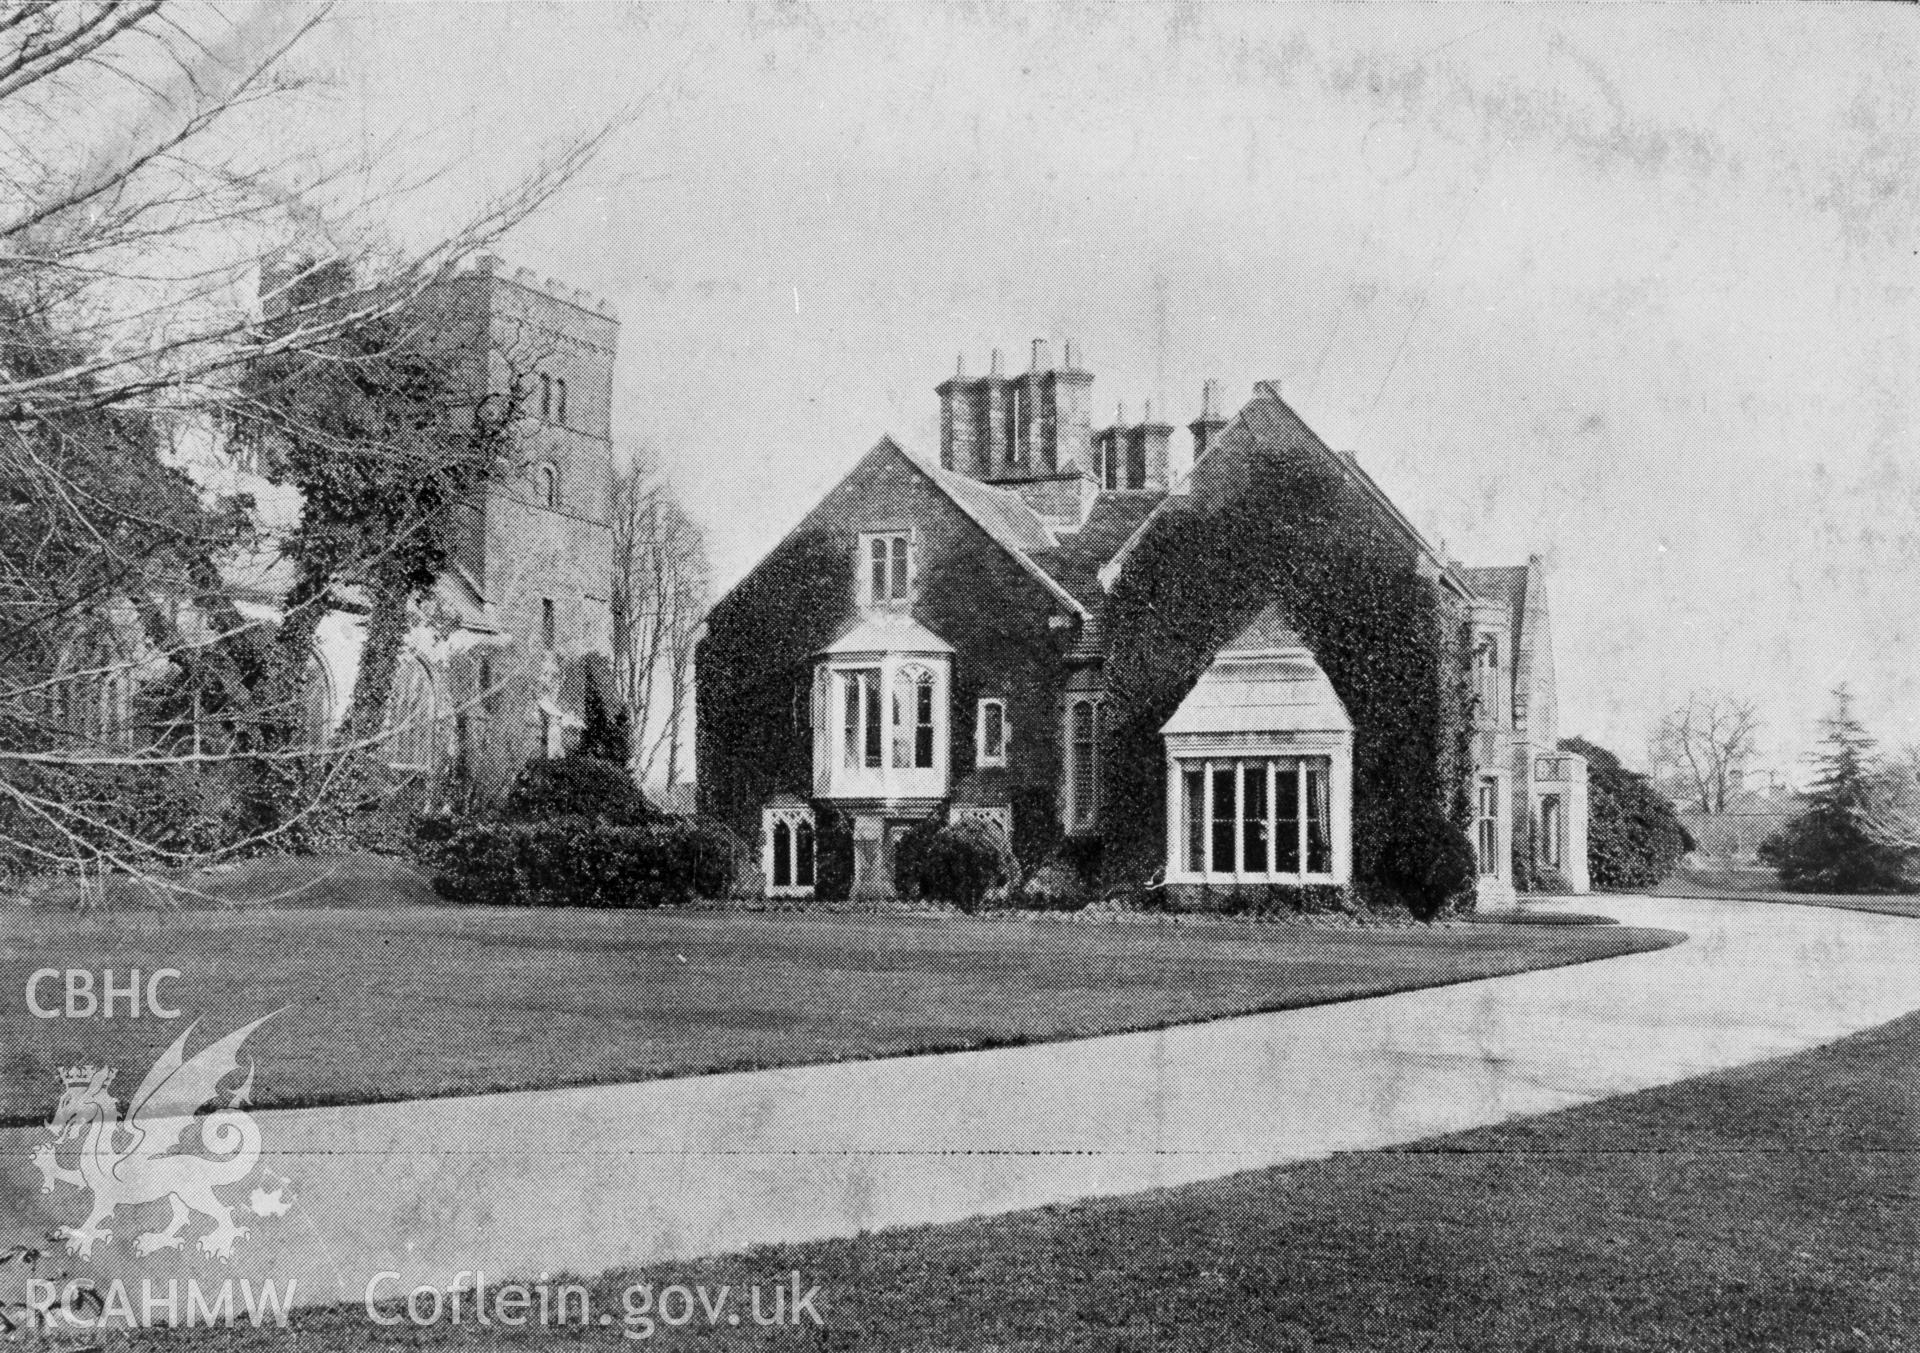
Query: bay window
x=913, y=718
x=1261, y=819
x=860, y=723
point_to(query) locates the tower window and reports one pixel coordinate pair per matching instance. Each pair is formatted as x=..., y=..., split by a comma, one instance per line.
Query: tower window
x=546, y=623
x=546, y=395
x=549, y=479
x=560, y=400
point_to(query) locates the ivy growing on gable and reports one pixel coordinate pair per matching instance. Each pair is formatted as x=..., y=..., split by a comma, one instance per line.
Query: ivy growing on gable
x=1299, y=533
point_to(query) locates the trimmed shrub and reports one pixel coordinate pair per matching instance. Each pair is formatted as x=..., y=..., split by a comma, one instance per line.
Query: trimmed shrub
x=580, y=862
x=959, y=863
x=576, y=785
x=1431, y=866
x=1054, y=887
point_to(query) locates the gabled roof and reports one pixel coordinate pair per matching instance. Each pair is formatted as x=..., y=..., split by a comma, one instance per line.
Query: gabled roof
x=1505, y=585
x=1264, y=681
x=1274, y=426
x=1001, y=513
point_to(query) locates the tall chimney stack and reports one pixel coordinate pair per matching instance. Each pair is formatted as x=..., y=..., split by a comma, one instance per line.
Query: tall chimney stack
x=958, y=420
x=1072, y=439
x=994, y=444
x=1207, y=427
x=1149, y=467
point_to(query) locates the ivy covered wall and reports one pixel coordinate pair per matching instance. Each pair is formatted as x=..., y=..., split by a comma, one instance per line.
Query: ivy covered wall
x=1273, y=521
x=753, y=701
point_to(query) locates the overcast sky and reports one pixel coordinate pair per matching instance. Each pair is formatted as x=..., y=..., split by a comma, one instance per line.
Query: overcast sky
x=1629, y=287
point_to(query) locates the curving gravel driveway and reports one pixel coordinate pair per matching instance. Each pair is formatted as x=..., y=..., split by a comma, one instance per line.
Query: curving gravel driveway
x=583, y=1180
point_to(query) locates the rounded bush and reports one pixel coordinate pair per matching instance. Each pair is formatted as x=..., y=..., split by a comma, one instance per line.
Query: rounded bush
x=959, y=863
x=576, y=786
x=581, y=862
x=1431, y=866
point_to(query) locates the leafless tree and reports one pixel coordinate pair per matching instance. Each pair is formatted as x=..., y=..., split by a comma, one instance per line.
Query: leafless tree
x=661, y=579
x=1891, y=811
x=155, y=181
x=1703, y=747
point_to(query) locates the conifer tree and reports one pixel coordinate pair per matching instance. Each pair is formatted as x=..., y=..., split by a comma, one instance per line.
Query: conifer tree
x=1827, y=849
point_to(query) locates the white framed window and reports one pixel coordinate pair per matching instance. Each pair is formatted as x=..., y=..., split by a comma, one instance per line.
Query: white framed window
x=1486, y=835
x=860, y=731
x=886, y=572
x=1265, y=819
x=1083, y=762
x=990, y=733
x=913, y=721
x=1486, y=678
x=787, y=851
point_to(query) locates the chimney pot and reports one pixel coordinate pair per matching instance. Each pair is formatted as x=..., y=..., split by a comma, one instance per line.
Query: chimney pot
x=960, y=366
x=1209, y=398
x=993, y=367
x=1071, y=361
x=1120, y=414
x=1042, y=359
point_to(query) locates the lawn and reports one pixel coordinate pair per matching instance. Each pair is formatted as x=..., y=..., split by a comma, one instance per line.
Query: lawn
x=1776, y=1206
x=417, y=1001
x=1757, y=883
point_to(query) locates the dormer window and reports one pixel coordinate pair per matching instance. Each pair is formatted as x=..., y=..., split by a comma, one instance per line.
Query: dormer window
x=887, y=576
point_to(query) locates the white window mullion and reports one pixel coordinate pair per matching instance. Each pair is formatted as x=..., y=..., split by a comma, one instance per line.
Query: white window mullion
x=1273, y=835
x=1206, y=835
x=1306, y=812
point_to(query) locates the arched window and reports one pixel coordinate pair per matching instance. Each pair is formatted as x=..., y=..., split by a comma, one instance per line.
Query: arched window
x=560, y=400
x=549, y=481
x=913, y=718
x=786, y=849
x=411, y=718
x=318, y=702
x=1487, y=677
x=546, y=395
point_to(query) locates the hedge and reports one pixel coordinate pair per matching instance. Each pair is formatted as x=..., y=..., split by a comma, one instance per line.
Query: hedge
x=579, y=862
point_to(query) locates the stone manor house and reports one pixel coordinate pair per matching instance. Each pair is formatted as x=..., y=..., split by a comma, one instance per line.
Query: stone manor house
x=932, y=639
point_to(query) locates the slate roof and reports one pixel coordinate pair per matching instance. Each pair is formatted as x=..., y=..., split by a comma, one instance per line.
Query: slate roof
x=1075, y=563
x=1002, y=513
x=1265, y=681
x=888, y=633
x=1506, y=585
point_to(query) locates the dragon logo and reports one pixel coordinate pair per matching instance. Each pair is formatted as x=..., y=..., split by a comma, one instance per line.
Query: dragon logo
x=137, y=1160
